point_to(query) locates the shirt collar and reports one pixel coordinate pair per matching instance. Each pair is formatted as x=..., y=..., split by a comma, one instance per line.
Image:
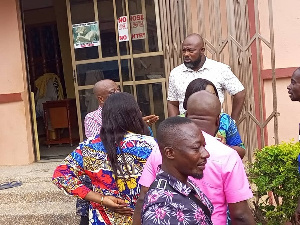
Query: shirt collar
x=205, y=66
x=175, y=183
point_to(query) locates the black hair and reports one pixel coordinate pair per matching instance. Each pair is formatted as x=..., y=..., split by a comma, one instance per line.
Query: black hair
x=195, y=86
x=120, y=114
x=167, y=130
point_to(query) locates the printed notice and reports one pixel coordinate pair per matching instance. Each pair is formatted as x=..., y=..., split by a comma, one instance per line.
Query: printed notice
x=123, y=29
x=137, y=26
x=86, y=35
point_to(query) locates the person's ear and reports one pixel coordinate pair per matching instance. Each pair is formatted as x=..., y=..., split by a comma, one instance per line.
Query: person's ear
x=100, y=99
x=169, y=152
x=202, y=50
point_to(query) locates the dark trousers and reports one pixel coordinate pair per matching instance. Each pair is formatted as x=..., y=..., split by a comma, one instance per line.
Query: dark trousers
x=84, y=220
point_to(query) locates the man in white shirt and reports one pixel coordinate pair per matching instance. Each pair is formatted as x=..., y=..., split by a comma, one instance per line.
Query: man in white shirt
x=197, y=65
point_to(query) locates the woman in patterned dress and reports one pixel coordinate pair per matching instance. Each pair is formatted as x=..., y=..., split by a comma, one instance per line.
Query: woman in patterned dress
x=113, y=160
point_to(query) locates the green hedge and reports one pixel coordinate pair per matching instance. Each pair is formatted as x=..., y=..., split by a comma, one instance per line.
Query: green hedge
x=275, y=169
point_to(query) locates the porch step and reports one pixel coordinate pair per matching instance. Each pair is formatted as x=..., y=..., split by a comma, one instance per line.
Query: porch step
x=50, y=213
x=42, y=192
x=37, y=201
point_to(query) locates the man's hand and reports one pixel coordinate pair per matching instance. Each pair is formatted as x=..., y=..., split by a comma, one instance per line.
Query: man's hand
x=117, y=205
x=297, y=213
x=149, y=120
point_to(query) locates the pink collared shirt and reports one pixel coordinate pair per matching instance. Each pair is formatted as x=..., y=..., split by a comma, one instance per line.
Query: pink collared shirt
x=93, y=123
x=224, y=179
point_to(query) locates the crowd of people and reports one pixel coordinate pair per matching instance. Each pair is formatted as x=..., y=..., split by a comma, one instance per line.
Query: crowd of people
x=190, y=173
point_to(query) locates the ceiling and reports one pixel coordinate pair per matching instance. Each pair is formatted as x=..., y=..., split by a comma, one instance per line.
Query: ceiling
x=35, y=4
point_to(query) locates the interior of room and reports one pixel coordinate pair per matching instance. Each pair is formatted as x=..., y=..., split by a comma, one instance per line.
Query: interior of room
x=49, y=69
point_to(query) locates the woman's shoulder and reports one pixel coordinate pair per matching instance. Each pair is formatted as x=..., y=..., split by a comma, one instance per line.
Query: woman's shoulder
x=139, y=144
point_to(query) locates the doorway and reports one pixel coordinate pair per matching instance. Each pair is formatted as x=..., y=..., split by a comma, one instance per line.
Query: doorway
x=46, y=75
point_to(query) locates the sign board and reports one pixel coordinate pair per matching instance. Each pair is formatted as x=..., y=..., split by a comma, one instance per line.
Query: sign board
x=86, y=35
x=123, y=29
x=137, y=26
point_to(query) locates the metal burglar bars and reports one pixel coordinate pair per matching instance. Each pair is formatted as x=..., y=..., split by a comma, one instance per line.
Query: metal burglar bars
x=136, y=64
x=232, y=35
x=176, y=23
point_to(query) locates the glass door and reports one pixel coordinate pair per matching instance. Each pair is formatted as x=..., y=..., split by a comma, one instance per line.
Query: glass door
x=118, y=40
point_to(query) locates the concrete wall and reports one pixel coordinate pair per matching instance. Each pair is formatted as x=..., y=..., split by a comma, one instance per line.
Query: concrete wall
x=287, y=30
x=16, y=146
x=287, y=45
x=289, y=118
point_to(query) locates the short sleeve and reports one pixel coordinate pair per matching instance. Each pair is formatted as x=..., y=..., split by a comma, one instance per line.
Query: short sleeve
x=236, y=185
x=228, y=129
x=172, y=90
x=230, y=82
x=159, y=213
x=150, y=168
x=91, y=126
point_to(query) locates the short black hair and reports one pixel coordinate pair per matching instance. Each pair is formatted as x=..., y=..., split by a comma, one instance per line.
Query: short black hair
x=168, y=130
x=195, y=86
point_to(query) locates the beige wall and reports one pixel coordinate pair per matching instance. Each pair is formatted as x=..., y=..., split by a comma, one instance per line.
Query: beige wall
x=289, y=118
x=287, y=45
x=287, y=31
x=16, y=146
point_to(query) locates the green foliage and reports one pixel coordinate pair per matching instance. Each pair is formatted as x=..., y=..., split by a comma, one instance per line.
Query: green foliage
x=276, y=169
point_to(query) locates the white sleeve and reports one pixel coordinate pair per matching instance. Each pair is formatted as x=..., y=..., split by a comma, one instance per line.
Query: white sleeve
x=172, y=90
x=230, y=82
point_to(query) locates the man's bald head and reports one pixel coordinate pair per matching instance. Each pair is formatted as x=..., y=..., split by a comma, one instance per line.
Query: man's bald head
x=103, y=89
x=195, y=38
x=204, y=109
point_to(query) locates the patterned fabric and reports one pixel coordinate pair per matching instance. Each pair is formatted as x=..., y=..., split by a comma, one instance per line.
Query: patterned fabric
x=229, y=131
x=299, y=163
x=82, y=206
x=218, y=73
x=174, y=207
x=93, y=123
x=90, y=158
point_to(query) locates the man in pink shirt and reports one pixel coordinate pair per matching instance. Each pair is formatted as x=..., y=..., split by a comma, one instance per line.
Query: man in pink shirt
x=225, y=182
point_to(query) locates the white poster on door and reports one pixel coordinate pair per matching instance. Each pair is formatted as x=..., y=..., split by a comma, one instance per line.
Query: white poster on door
x=123, y=29
x=137, y=26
